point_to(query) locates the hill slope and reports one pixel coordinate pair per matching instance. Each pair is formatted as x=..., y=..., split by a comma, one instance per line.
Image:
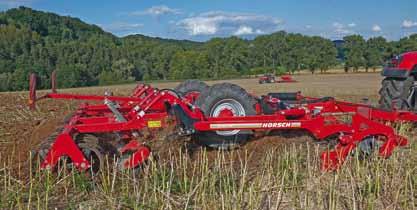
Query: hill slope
x=46, y=24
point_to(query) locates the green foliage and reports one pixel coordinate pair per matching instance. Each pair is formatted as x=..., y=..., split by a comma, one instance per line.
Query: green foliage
x=111, y=78
x=375, y=52
x=406, y=44
x=70, y=76
x=56, y=27
x=355, y=47
x=123, y=68
x=280, y=70
x=121, y=72
x=85, y=55
x=321, y=54
x=261, y=70
x=5, y=81
x=189, y=64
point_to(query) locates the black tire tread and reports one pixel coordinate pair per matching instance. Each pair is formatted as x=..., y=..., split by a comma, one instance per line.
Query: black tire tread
x=394, y=93
x=191, y=85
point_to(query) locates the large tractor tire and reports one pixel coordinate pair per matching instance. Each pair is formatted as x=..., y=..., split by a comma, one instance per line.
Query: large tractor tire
x=224, y=99
x=397, y=94
x=190, y=86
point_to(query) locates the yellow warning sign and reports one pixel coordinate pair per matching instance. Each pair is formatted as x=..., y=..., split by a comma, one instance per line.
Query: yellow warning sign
x=154, y=124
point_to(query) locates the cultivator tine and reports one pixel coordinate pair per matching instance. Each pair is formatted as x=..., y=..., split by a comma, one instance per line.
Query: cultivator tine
x=332, y=160
x=388, y=147
x=139, y=156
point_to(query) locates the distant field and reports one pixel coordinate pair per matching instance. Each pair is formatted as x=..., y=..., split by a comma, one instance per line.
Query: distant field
x=353, y=86
x=268, y=173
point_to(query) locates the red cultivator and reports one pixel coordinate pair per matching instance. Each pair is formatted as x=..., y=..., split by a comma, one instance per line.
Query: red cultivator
x=221, y=116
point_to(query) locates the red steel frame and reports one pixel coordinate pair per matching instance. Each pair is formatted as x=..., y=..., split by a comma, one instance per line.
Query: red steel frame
x=148, y=105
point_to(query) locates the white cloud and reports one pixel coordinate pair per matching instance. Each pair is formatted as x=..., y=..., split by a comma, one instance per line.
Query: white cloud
x=409, y=24
x=338, y=25
x=157, y=11
x=308, y=26
x=351, y=25
x=200, y=26
x=259, y=31
x=341, y=29
x=122, y=28
x=246, y=30
x=226, y=23
x=376, y=28
x=243, y=30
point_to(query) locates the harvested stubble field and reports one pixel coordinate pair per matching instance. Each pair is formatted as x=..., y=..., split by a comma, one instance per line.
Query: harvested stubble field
x=268, y=173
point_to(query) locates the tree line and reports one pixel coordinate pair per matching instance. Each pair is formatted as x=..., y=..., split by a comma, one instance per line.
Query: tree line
x=85, y=55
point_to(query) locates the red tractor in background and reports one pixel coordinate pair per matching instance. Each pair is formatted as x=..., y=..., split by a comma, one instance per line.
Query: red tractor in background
x=398, y=89
x=270, y=78
x=267, y=78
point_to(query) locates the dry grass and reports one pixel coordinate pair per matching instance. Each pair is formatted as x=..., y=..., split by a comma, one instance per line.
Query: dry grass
x=270, y=173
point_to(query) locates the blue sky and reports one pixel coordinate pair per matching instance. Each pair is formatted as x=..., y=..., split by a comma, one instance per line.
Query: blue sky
x=202, y=20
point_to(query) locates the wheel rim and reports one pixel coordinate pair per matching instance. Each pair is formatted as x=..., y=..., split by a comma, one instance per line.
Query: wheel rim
x=225, y=108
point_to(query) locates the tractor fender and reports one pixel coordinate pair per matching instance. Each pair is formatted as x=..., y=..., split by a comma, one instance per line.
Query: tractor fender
x=396, y=72
x=406, y=65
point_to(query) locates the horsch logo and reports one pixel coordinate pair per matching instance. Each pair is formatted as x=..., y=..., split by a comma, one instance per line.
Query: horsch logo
x=281, y=125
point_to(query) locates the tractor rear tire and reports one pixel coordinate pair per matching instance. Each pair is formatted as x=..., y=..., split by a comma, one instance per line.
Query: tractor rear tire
x=220, y=97
x=189, y=86
x=395, y=92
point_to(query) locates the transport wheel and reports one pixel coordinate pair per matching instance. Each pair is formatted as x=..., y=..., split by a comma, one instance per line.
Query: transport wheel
x=89, y=145
x=190, y=86
x=224, y=100
x=397, y=94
